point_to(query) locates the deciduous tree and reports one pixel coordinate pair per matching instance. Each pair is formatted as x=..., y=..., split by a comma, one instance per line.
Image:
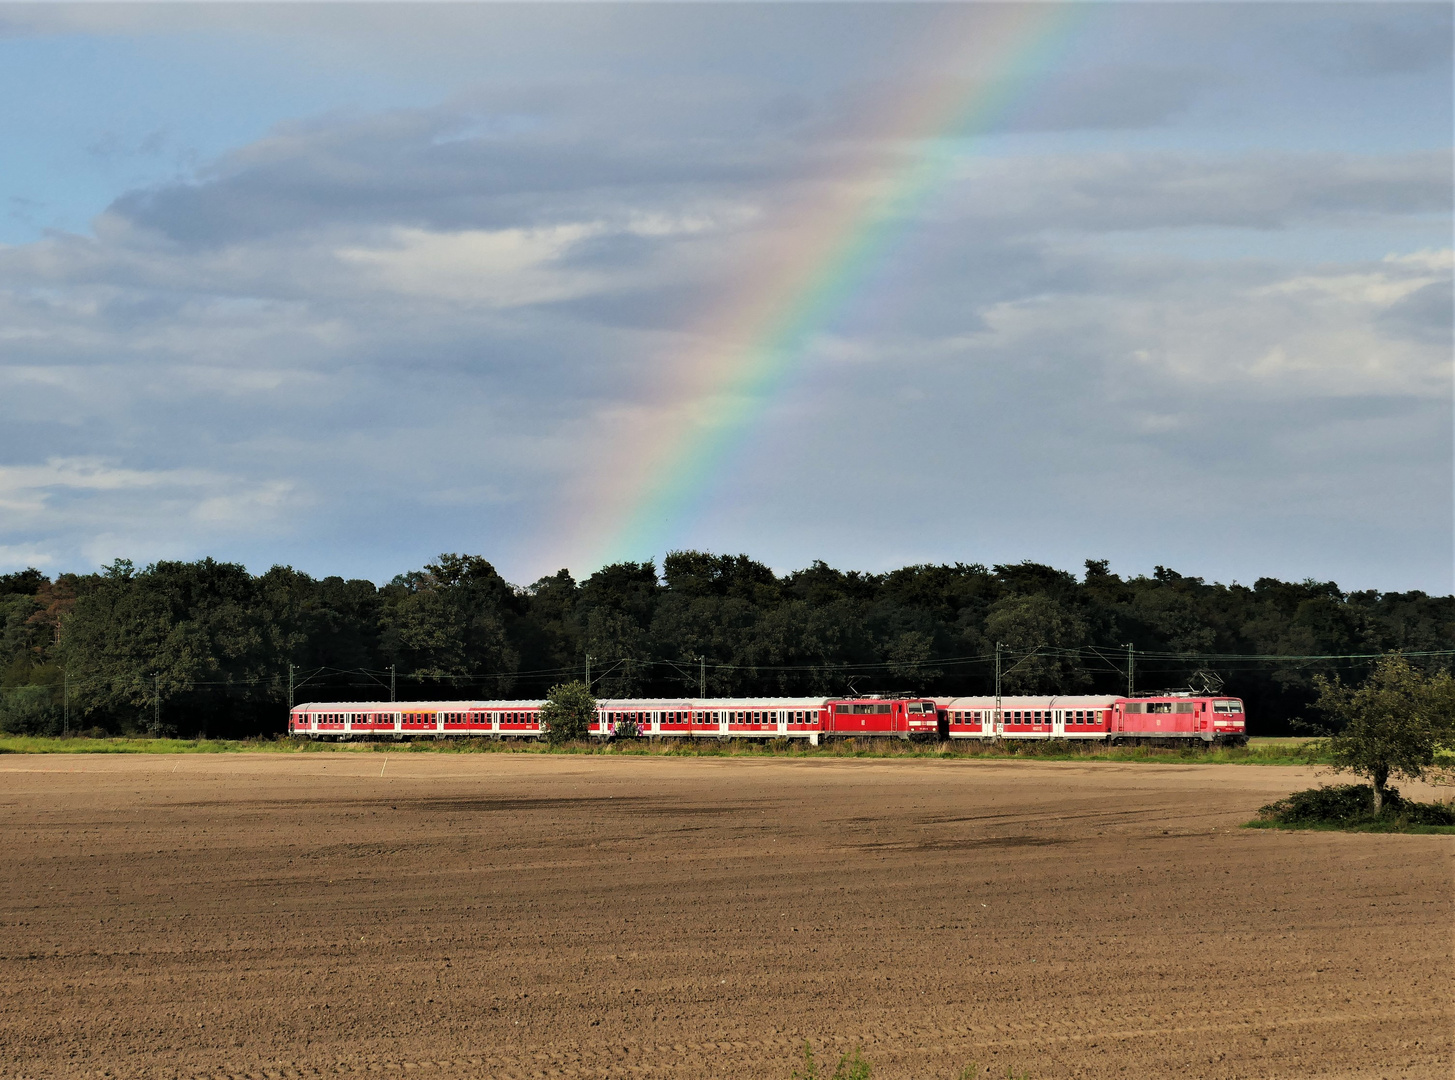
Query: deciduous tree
x=1392, y=724
x=568, y=712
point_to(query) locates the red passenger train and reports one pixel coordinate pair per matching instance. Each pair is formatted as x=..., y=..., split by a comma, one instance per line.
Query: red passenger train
x=1155, y=719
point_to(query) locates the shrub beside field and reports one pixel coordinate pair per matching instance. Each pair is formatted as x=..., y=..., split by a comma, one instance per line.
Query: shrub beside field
x=1351, y=807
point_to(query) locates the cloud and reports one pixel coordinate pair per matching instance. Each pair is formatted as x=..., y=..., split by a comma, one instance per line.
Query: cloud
x=1105, y=192
x=1410, y=38
x=173, y=509
x=375, y=328
x=1110, y=97
x=500, y=268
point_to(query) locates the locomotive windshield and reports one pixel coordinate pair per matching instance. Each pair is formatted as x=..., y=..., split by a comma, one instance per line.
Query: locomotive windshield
x=1228, y=706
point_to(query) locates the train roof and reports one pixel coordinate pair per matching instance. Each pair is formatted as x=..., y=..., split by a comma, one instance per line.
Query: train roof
x=602, y=703
x=1053, y=701
x=403, y=706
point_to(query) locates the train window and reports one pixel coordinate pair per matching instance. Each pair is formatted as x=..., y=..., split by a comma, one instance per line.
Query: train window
x=1227, y=706
x=1184, y=707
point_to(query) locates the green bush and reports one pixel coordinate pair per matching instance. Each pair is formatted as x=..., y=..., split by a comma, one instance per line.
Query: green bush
x=1352, y=804
x=568, y=712
x=29, y=710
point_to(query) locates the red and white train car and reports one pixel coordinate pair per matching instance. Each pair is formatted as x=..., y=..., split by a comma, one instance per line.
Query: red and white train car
x=1028, y=717
x=1165, y=718
x=721, y=718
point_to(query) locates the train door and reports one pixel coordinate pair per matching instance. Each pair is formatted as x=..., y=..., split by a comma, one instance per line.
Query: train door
x=722, y=724
x=1058, y=723
x=783, y=722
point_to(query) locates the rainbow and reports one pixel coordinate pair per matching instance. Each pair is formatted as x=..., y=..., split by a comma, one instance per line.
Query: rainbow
x=676, y=448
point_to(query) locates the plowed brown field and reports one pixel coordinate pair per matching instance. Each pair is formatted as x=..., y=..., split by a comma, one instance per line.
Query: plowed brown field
x=502, y=915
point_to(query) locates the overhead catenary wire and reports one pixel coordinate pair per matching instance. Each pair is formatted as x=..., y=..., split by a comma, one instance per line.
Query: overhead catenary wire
x=150, y=689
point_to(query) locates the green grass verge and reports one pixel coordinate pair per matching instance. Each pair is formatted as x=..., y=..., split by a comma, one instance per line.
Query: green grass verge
x=1271, y=752
x=122, y=744
x=1368, y=826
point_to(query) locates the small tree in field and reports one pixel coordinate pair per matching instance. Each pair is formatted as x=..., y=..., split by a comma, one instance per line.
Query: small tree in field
x=1391, y=725
x=568, y=712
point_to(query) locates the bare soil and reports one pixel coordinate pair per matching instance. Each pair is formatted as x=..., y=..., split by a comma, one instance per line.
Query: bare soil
x=510, y=915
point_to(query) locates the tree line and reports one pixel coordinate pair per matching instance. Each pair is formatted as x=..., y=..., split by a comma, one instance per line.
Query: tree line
x=208, y=648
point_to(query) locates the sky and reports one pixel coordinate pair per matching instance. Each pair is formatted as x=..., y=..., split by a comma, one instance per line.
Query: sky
x=346, y=286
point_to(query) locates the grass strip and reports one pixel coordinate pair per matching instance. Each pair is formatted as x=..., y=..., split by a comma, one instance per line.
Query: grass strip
x=1356, y=827
x=1273, y=752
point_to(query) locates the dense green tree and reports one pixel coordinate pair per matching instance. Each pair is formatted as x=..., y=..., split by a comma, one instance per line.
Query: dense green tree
x=1041, y=631
x=178, y=632
x=451, y=620
x=568, y=712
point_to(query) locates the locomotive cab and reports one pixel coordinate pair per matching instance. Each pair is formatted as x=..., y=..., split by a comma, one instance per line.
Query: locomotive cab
x=1229, y=721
